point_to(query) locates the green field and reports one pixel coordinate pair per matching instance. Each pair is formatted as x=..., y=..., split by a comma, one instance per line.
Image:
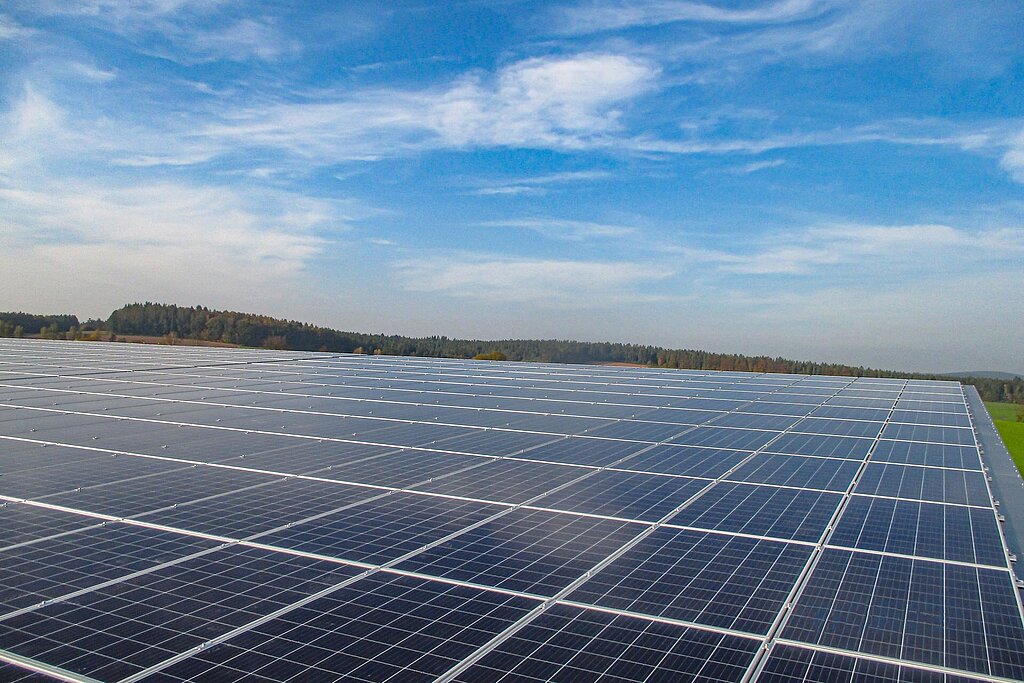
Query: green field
x=1005, y=417
x=1004, y=411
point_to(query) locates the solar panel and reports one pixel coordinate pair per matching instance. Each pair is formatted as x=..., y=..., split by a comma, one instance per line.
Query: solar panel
x=190, y=514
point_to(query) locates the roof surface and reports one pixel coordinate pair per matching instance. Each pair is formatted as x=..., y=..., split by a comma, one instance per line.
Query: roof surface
x=193, y=514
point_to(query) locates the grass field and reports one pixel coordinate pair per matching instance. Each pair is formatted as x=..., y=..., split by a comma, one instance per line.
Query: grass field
x=1005, y=417
x=1004, y=411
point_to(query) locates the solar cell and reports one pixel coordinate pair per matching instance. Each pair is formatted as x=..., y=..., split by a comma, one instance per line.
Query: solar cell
x=922, y=483
x=950, y=615
x=713, y=579
x=572, y=644
x=400, y=468
x=383, y=529
x=125, y=627
x=267, y=516
x=259, y=508
x=915, y=432
x=639, y=431
x=129, y=497
x=933, y=406
x=796, y=514
x=381, y=628
x=926, y=417
x=50, y=568
x=17, y=674
x=949, y=532
x=725, y=437
x=21, y=456
x=82, y=474
x=691, y=461
x=530, y=551
x=631, y=495
x=509, y=481
x=927, y=454
x=21, y=523
x=824, y=446
x=828, y=474
x=582, y=451
x=789, y=664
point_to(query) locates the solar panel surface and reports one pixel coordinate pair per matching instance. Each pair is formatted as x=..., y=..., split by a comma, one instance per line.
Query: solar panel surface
x=192, y=514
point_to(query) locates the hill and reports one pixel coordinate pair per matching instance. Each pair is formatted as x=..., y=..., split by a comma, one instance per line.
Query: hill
x=231, y=327
x=989, y=374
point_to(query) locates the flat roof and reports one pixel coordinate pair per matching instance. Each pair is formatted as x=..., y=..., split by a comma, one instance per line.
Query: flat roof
x=196, y=514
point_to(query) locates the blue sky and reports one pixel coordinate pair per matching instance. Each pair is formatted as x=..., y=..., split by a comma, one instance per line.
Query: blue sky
x=819, y=179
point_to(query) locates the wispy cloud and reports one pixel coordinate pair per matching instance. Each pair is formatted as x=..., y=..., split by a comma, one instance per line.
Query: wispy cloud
x=899, y=132
x=568, y=230
x=1012, y=160
x=865, y=247
x=93, y=73
x=549, y=282
x=12, y=30
x=244, y=39
x=553, y=102
x=537, y=185
x=215, y=222
x=105, y=244
x=184, y=31
x=597, y=16
x=38, y=133
x=755, y=166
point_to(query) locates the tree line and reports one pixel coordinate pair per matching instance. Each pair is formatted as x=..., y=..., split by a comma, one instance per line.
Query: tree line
x=199, y=322
x=18, y=324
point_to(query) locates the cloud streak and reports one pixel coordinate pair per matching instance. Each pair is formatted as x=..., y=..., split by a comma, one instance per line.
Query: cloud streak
x=567, y=230
x=934, y=247
x=550, y=103
x=538, y=185
x=606, y=16
x=547, y=282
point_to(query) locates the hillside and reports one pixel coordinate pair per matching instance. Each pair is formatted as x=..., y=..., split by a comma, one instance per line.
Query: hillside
x=989, y=374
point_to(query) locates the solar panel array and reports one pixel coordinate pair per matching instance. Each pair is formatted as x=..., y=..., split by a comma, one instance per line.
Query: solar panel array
x=191, y=514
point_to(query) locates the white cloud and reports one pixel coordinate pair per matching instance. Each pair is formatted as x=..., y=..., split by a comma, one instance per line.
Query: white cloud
x=559, y=101
x=537, y=185
x=1013, y=159
x=12, y=30
x=184, y=31
x=547, y=282
x=96, y=245
x=556, y=102
x=33, y=126
x=896, y=249
x=37, y=134
x=244, y=39
x=94, y=73
x=119, y=12
x=603, y=16
x=215, y=221
x=902, y=132
x=561, y=229
x=755, y=166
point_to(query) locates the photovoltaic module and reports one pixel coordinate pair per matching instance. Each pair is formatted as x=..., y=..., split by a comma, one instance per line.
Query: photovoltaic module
x=199, y=514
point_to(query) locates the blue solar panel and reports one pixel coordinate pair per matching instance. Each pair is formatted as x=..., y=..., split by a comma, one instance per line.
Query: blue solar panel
x=184, y=514
x=796, y=514
x=961, y=617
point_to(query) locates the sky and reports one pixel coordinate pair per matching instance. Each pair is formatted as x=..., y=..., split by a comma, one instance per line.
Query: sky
x=825, y=180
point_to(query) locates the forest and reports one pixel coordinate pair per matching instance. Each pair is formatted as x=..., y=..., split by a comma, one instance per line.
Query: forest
x=198, y=322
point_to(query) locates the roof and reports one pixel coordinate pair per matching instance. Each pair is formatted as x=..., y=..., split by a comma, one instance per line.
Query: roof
x=194, y=514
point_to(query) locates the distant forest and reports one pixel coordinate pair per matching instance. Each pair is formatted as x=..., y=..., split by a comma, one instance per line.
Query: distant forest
x=198, y=322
